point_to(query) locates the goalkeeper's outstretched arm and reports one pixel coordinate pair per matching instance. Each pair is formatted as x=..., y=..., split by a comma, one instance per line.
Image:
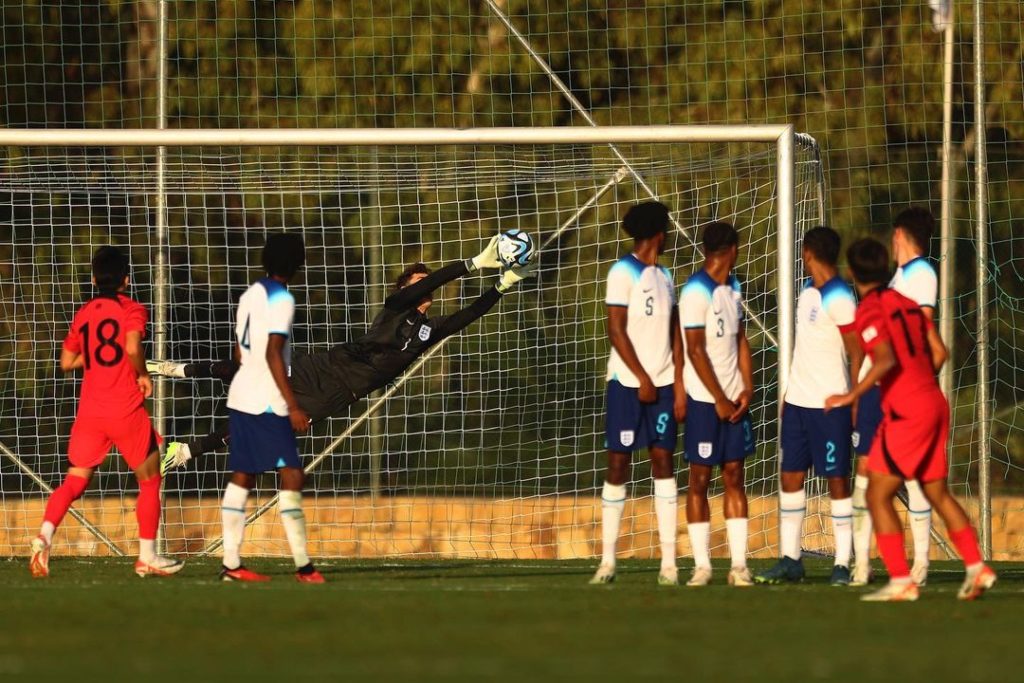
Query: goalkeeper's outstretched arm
x=410, y=296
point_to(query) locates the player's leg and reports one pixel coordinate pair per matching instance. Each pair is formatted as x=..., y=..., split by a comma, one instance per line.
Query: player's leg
x=698, y=522
x=178, y=453
x=666, y=510
x=920, y=512
x=738, y=442
x=841, y=505
x=882, y=488
x=224, y=370
x=622, y=422
x=244, y=460
x=71, y=489
x=831, y=448
x=796, y=460
x=289, y=504
x=979, y=576
x=869, y=416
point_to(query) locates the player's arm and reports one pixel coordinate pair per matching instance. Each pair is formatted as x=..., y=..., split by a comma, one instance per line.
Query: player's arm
x=678, y=363
x=697, y=354
x=745, y=359
x=275, y=361
x=71, y=360
x=414, y=293
x=448, y=325
x=937, y=348
x=882, y=361
x=619, y=338
x=137, y=358
x=854, y=355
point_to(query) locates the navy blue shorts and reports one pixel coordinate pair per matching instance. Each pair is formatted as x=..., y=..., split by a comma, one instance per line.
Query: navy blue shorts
x=631, y=425
x=260, y=443
x=810, y=436
x=710, y=441
x=869, y=416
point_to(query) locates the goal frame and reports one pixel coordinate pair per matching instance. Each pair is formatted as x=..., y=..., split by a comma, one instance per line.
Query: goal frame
x=783, y=136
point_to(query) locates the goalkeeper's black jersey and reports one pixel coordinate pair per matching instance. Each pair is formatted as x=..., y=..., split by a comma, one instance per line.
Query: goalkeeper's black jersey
x=326, y=383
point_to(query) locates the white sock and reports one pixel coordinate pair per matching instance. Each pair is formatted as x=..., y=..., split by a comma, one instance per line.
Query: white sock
x=920, y=521
x=46, y=531
x=147, y=549
x=736, y=531
x=289, y=504
x=861, y=520
x=613, y=501
x=700, y=541
x=792, y=508
x=666, y=509
x=842, y=529
x=232, y=513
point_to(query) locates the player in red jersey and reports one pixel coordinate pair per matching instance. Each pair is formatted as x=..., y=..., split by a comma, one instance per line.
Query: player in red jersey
x=906, y=352
x=105, y=340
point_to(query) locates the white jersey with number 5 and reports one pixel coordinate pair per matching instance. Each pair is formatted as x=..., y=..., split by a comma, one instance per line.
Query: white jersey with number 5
x=819, y=357
x=718, y=308
x=647, y=294
x=266, y=308
x=916, y=280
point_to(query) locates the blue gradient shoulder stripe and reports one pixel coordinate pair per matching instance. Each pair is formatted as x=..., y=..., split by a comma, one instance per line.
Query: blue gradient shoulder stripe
x=699, y=282
x=836, y=289
x=919, y=265
x=631, y=264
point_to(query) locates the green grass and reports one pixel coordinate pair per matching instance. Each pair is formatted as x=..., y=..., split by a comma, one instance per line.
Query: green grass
x=94, y=620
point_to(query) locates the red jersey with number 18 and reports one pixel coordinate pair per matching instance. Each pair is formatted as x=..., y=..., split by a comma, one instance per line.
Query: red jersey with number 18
x=98, y=332
x=886, y=315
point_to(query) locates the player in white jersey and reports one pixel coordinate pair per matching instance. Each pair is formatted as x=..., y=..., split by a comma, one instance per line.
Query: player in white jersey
x=915, y=278
x=719, y=379
x=810, y=436
x=264, y=414
x=645, y=396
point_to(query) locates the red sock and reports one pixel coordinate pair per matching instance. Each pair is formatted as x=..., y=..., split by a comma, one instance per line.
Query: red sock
x=890, y=546
x=147, y=507
x=70, y=490
x=966, y=542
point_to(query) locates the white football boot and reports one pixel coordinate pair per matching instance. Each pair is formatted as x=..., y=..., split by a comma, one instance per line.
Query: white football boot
x=919, y=573
x=158, y=566
x=604, y=574
x=701, y=576
x=668, y=576
x=740, y=577
x=893, y=592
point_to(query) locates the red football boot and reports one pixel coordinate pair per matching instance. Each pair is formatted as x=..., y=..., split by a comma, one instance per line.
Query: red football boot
x=240, y=573
x=309, y=574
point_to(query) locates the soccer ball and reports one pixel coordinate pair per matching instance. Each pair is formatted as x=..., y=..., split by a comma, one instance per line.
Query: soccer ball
x=515, y=248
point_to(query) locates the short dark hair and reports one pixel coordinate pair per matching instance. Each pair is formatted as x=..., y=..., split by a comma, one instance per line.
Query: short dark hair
x=283, y=254
x=719, y=236
x=824, y=243
x=109, y=269
x=869, y=261
x=645, y=220
x=919, y=223
x=409, y=271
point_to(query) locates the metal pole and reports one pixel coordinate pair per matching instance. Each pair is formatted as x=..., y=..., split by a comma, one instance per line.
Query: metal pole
x=375, y=233
x=786, y=255
x=947, y=253
x=617, y=178
x=161, y=279
x=981, y=240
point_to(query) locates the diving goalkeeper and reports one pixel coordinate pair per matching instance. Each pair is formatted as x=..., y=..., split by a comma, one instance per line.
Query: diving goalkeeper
x=326, y=383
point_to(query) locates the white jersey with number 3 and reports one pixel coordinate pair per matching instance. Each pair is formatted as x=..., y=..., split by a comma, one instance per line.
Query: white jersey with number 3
x=916, y=280
x=718, y=308
x=266, y=308
x=647, y=294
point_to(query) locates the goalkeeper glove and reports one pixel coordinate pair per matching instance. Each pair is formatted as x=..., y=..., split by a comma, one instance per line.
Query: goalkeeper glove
x=488, y=258
x=513, y=276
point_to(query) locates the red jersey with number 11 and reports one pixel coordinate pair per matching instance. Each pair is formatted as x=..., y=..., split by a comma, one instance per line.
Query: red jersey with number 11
x=886, y=315
x=98, y=332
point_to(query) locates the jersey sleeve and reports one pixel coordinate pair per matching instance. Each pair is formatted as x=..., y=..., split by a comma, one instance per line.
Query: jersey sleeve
x=620, y=285
x=136, y=317
x=871, y=326
x=840, y=305
x=920, y=284
x=694, y=301
x=280, y=313
x=737, y=295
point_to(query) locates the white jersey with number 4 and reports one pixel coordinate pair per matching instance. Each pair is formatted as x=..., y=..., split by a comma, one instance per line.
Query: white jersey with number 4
x=647, y=294
x=916, y=279
x=718, y=308
x=266, y=308
x=820, y=367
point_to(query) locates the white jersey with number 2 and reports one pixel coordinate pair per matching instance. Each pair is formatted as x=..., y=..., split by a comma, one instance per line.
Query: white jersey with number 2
x=646, y=292
x=819, y=358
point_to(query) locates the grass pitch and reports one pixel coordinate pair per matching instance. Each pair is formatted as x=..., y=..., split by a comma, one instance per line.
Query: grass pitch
x=94, y=620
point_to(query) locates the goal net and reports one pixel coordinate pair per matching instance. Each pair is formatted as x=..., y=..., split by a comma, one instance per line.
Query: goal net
x=492, y=445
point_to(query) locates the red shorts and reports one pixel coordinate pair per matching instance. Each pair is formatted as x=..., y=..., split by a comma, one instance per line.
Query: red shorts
x=913, y=446
x=92, y=437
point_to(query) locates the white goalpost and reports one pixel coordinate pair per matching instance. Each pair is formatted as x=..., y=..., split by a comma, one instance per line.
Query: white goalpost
x=491, y=444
